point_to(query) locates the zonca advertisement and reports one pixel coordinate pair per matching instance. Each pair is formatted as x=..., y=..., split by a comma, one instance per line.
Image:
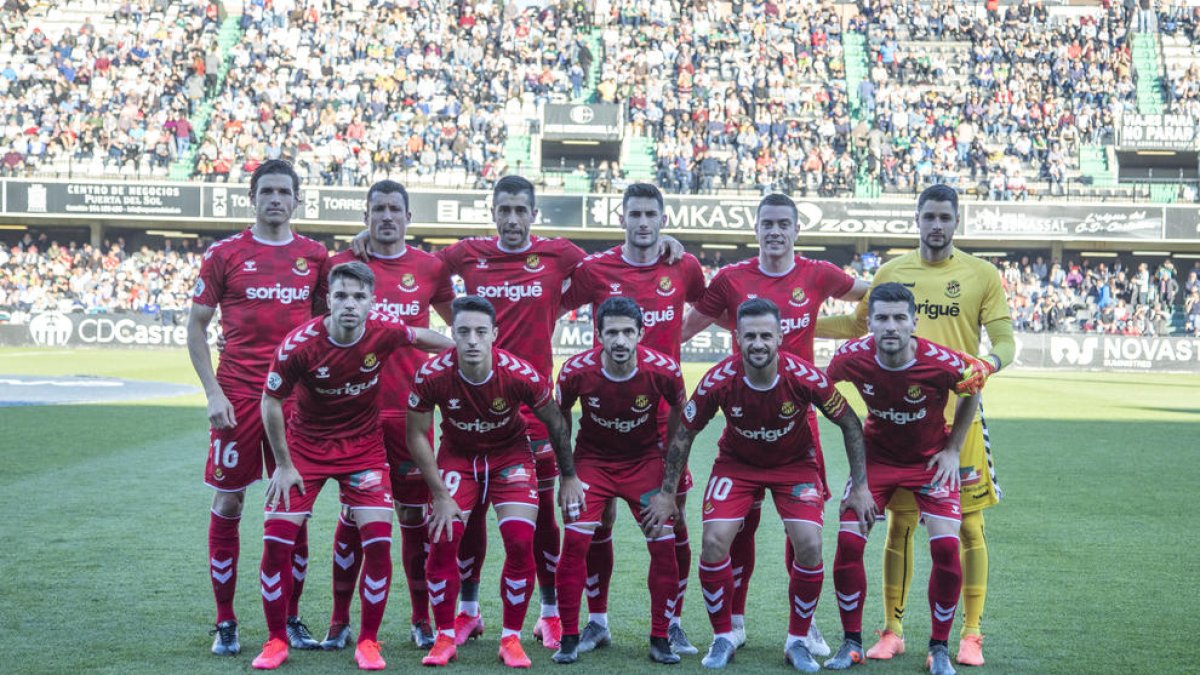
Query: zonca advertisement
x=1108, y=352
x=98, y=330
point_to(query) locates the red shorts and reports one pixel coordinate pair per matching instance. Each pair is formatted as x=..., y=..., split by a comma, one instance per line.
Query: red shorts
x=932, y=501
x=633, y=480
x=408, y=485
x=362, y=476
x=734, y=487
x=237, y=456
x=498, y=478
x=816, y=439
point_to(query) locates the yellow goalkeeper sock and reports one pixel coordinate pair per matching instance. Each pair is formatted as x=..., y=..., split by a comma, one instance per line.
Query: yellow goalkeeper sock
x=898, y=567
x=975, y=571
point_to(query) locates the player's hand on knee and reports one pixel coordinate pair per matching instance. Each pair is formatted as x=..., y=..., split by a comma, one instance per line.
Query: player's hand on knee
x=445, y=512
x=946, y=462
x=860, y=501
x=658, y=513
x=220, y=412
x=280, y=487
x=570, y=498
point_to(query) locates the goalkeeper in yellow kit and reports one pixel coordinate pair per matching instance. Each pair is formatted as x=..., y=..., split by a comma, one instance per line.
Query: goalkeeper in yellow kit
x=957, y=295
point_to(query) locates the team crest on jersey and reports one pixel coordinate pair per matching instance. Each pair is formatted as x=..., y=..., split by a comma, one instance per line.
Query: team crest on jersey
x=953, y=289
x=300, y=267
x=665, y=287
x=370, y=362
x=218, y=474
x=799, y=299
x=914, y=395
x=408, y=283
x=787, y=410
x=641, y=403
x=199, y=288
x=499, y=405
x=708, y=507
x=533, y=263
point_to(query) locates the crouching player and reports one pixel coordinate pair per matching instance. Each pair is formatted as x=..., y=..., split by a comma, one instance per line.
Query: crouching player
x=767, y=445
x=333, y=364
x=485, y=457
x=905, y=382
x=618, y=455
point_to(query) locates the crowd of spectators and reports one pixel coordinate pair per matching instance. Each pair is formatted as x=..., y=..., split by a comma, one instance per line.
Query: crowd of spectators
x=1183, y=79
x=106, y=97
x=355, y=90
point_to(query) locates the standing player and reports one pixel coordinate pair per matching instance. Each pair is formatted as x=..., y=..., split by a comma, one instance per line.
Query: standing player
x=408, y=282
x=957, y=295
x=635, y=270
x=622, y=386
x=334, y=365
x=798, y=287
x=767, y=444
x=263, y=279
x=906, y=384
x=485, y=457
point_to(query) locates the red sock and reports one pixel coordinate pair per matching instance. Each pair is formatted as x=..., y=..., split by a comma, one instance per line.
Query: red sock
x=683, y=567
x=546, y=541
x=299, y=569
x=223, y=547
x=945, y=583
x=716, y=582
x=804, y=591
x=850, y=579
x=570, y=578
x=516, y=579
x=599, y=570
x=414, y=539
x=279, y=540
x=474, y=546
x=441, y=576
x=741, y=553
x=376, y=577
x=347, y=560
x=663, y=580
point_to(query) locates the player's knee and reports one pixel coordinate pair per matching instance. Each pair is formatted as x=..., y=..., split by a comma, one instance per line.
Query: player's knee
x=901, y=524
x=229, y=504
x=806, y=545
x=714, y=547
x=610, y=515
x=518, y=537
x=971, y=532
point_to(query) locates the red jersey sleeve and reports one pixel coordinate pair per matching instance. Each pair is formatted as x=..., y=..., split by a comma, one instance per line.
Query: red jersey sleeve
x=566, y=391
x=579, y=288
x=705, y=401
x=837, y=367
x=536, y=394
x=713, y=302
x=420, y=395
x=832, y=280
x=820, y=387
x=444, y=291
x=452, y=256
x=320, y=299
x=670, y=387
x=211, y=284
x=286, y=369
x=570, y=257
x=693, y=276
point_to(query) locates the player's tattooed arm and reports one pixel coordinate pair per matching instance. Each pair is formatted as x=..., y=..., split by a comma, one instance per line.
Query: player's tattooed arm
x=285, y=477
x=859, y=498
x=662, y=507
x=445, y=509
x=570, y=489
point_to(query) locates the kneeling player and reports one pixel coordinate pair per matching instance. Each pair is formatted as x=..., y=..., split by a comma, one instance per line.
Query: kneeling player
x=484, y=458
x=333, y=364
x=619, y=455
x=905, y=382
x=767, y=444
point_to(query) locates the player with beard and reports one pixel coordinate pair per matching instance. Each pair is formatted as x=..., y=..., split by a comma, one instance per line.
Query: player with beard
x=264, y=280
x=635, y=270
x=334, y=365
x=409, y=282
x=957, y=297
x=798, y=287
x=905, y=383
x=767, y=445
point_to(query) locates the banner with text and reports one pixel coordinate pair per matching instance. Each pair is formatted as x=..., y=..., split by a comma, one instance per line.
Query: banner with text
x=1108, y=352
x=1063, y=221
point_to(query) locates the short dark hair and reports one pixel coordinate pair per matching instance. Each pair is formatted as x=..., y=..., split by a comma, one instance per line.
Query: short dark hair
x=757, y=307
x=472, y=303
x=892, y=292
x=778, y=199
x=938, y=193
x=618, y=305
x=387, y=187
x=642, y=190
x=513, y=185
x=274, y=166
x=353, y=270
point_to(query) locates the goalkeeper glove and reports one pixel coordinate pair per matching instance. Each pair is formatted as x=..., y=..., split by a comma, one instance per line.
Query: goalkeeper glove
x=975, y=374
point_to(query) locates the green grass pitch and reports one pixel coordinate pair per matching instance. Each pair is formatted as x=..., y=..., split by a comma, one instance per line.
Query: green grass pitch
x=1093, y=551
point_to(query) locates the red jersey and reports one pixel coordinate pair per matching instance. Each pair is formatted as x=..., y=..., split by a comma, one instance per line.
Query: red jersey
x=906, y=420
x=484, y=417
x=764, y=427
x=338, y=396
x=524, y=286
x=658, y=288
x=619, y=420
x=798, y=292
x=264, y=290
x=406, y=286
